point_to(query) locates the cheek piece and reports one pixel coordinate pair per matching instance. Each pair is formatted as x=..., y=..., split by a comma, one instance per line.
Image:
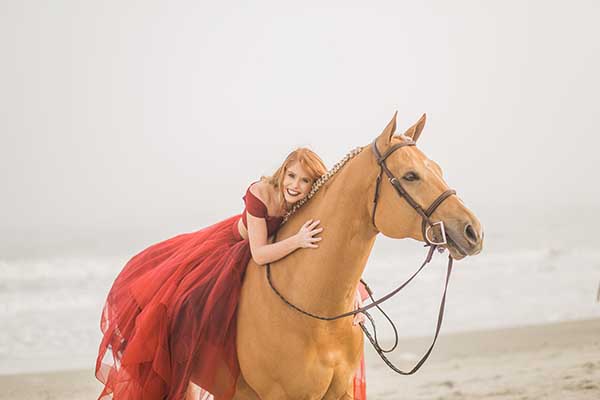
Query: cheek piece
x=427, y=225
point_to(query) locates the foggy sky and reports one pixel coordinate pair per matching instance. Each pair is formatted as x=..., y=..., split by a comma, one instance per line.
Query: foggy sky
x=125, y=116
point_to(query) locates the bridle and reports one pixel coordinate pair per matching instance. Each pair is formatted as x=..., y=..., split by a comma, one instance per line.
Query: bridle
x=395, y=182
x=426, y=226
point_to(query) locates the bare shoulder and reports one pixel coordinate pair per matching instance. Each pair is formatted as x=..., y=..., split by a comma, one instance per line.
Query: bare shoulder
x=261, y=190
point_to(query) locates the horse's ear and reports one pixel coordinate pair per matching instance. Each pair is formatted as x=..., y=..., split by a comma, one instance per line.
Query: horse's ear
x=386, y=136
x=415, y=131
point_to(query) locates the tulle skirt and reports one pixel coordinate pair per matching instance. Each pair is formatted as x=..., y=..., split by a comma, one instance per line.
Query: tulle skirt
x=170, y=319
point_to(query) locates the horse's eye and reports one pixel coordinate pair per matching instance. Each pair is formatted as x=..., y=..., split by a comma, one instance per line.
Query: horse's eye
x=410, y=176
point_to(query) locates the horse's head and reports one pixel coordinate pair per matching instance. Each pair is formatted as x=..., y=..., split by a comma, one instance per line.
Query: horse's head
x=402, y=211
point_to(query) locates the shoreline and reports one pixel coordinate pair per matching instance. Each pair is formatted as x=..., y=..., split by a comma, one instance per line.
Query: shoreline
x=551, y=361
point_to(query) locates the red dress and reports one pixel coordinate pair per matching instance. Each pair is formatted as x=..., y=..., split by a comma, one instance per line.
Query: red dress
x=170, y=316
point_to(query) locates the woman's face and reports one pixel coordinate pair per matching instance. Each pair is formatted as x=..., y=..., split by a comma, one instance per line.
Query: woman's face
x=296, y=183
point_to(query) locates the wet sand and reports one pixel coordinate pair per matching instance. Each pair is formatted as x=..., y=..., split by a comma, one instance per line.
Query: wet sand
x=558, y=361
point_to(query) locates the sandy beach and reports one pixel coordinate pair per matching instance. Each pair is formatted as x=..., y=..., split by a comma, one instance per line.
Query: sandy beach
x=557, y=361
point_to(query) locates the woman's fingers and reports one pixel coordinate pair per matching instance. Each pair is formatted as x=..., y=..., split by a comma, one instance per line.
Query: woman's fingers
x=358, y=318
x=314, y=224
x=311, y=224
x=309, y=230
x=314, y=231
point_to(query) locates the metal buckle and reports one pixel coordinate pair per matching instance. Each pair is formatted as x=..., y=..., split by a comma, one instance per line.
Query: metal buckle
x=442, y=229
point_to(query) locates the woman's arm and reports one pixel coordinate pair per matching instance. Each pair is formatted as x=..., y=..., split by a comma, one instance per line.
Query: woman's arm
x=264, y=253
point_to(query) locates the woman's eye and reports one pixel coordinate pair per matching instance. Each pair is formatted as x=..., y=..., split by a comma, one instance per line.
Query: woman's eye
x=410, y=176
x=305, y=180
x=291, y=175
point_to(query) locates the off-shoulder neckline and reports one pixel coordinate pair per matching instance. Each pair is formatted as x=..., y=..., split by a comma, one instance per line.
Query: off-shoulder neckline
x=262, y=202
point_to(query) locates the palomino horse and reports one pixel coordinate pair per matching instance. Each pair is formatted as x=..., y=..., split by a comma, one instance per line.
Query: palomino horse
x=286, y=355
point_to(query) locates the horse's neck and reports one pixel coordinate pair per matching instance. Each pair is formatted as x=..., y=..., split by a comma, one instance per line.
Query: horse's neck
x=329, y=276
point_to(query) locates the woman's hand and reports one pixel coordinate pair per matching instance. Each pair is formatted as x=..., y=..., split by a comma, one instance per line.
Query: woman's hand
x=360, y=317
x=306, y=235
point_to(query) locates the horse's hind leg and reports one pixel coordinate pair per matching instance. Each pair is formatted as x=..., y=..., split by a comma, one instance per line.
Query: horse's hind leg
x=243, y=391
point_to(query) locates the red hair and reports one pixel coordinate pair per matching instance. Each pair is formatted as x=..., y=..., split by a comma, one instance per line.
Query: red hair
x=307, y=158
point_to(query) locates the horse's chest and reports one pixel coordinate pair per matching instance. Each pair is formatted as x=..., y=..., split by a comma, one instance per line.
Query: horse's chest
x=340, y=384
x=320, y=381
x=309, y=375
x=332, y=372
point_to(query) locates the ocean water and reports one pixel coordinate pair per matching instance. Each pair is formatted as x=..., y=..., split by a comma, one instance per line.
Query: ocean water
x=537, y=271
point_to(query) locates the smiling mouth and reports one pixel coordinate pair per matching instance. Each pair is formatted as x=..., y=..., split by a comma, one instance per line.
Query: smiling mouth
x=292, y=193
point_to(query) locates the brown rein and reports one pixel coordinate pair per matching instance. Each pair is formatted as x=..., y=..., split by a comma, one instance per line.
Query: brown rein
x=427, y=224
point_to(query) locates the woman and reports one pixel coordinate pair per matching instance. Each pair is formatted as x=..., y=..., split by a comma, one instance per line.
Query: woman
x=170, y=315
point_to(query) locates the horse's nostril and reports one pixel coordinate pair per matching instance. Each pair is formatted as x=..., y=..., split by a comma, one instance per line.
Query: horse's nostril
x=470, y=234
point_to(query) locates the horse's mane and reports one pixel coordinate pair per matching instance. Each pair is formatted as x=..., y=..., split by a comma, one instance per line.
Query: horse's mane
x=322, y=181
